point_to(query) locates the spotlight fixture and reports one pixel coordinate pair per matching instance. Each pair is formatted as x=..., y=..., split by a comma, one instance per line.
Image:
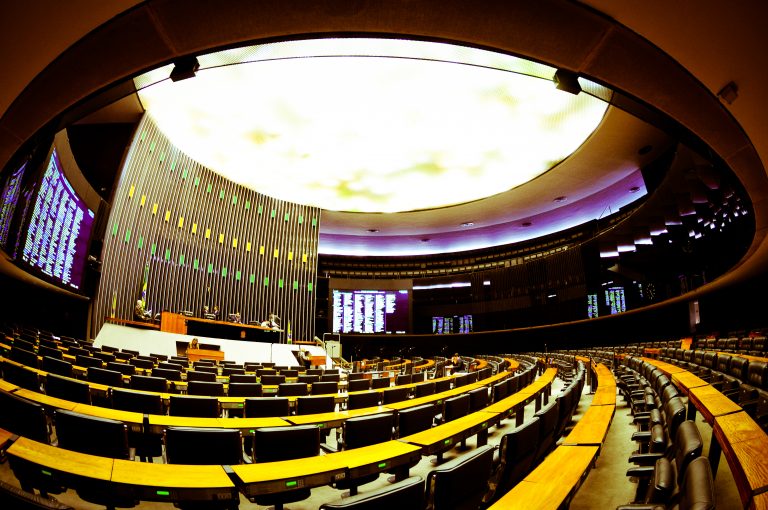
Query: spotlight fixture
x=526, y=223
x=560, y=199
x=729, y=92
x=467, y=223
x=184, y=68
x=425, y=240
x=567, y=81
x=373, y=230
x=634, y=189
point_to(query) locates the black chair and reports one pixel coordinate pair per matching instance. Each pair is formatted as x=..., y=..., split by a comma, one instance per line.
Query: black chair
x=170, y=365
x=403, y=379
x=88, y=361
x=548, y=416
x=106, y=357
x=26, y=345
x=25, y=357
x=500, y=391
x=273, y=380
x=325, y=388
x=478, y=399
x=67, y=389
x=358, y=385
x=289, y=372
x=194, y=375
x=291, y=389
x=307, y=379
x=78, y=351
x=424, y=389
x=461, y=483
x=364, y=399
x=232, y=371
x=243, y=378
x=142, y=363
x=517, y=451
x=205, y=368
x=263, y=407
x=51, y=352
x=285, y=443
x=251, y=366
x=201, y=407
x=147, y=444
x=336, y=377
x=407, y=494
x=147, y=383
x=380, y=382
x=104, y=376
x=166, y=373
x=19, y=499
x=57, y=366
x=21, y=376
x=315, y=404
x=443, y=385
x=415, y=419
x=244, y=389
x=364, y=431
x=454, y=407
x=23, y=417
x=393, y=395
x=205, y=388
x=130, y=351
x=123, y=368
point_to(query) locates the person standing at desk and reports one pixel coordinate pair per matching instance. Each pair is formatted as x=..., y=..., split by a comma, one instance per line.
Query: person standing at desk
x=194, y=344
x=140, y=313
x=216, y=312
x=305, y=358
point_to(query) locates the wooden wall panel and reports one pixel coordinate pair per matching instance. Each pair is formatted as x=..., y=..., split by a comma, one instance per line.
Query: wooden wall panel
x=205, y=240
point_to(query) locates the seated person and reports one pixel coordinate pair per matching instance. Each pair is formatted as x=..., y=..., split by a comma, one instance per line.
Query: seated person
x=194, y=344
x=139, y=313
x=457, y=362
x=305, y=358
x=271, y=322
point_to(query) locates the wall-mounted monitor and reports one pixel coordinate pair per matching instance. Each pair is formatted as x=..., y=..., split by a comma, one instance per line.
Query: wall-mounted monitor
x=592, y=308
x=370, y=308
x=58, y=229
x=452, y=324
x=615, y=300
x=9, y=198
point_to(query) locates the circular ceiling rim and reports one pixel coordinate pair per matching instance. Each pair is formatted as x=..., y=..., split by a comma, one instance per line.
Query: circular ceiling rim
x=565, y=35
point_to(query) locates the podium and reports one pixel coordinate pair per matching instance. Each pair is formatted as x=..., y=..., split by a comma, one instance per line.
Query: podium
x=317, y=361
x=198, y=354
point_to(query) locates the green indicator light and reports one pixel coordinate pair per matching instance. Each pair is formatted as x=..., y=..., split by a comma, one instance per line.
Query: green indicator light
x=382, y=465
x=46, y=473
x=252, y=431
x=484, y=425
x=447, y=441
x=163, y=493
x=240, y=405
x=291, y=484
x=320, y=425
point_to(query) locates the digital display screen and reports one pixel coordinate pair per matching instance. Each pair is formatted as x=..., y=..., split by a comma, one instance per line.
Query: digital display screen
x=453, y=324
x=614, y=300
x=370, y=311
x=59, y=229
x=592, y=309
x=8, y=200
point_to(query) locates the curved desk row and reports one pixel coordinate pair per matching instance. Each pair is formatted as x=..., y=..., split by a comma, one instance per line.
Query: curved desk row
x=734, y=433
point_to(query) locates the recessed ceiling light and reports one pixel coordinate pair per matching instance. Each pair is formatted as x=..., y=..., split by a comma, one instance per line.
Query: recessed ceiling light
x=467, y=223
x=373, y=230
x=634, y=189
x=527, y=223
x=560, y=199
x=425, y=240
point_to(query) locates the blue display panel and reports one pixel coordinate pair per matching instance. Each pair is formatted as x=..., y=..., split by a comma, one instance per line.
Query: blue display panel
x=370, y=311
x=592, y=308
x=9, y=198
x=59, y=229
x=614, y=300
x=453, y=324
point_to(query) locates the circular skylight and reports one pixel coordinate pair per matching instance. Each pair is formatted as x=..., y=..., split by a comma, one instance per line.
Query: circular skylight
x=400, y=126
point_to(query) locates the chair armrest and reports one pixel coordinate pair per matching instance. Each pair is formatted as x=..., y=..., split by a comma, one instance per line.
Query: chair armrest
x=641, y=472
x=642, y=437
x=641, y=506
x=645, y=459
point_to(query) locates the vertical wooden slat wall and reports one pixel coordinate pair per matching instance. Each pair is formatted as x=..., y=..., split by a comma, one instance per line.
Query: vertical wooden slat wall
x=206, y=241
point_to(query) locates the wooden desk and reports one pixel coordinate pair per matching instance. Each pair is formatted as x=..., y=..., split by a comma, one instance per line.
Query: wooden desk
x=159, y=422
x=274, y=477
x=174, y=482
x=132, y=323
x=198, y=354
x=60, y=461
x=438, y=439
x=592, y=427
x=667, y=368
x=46, y=401
x=745, y=446
x=7, y=387
x=686, y=381
x=133, y=420
x=551, y=484
x=317, y=361
x=332, y=420
x=711, y=403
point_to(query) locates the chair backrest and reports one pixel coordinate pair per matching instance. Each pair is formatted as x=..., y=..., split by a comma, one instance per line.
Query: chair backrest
x=499, y=391
x=403, y=379
x=517, y=451
x=122, y=356
x=207, y=388
x=367, y=430
x=141, y=363
x=443, y=385
x=207, y=368
x=462, y=482
x=137, y=402
x=91, y=435
x=291, y=389
x=233, y=371
x=407, y=494
x=285, y=443
x=478, y=399
x=331, y=377
x=195, y=375
x=315, y=404
x=308, y=379
x=274, y=379
x=242, y=378
x=106, y=357
x=674, y=415
x=67, y=389
x=203, y=407
x=364, y=399
x=244, y=389
x=548, y=418
x=51, y=352
x=202, y=446
x=698, y=488
x=104, y=376
x=415, y=419
x=424, y=389
x=23, y=417
x=455, y=407
x=167, y=373
x=757, y=374
x=739, y=367
x=25, y=357
x=148, y=383
x=325, y=388
x=261, y=407
x=88, y=361
x=513, y=385
x=57, y=366
x=358, y=385
x=78, y=351
x=21, y=376
x=130, y=351
x=460, y=380
x=688, y=446
x=320, y=371
x=123, y=368
x=380, y=382
x=723, y=363
x=289, y=372
x=395, y=395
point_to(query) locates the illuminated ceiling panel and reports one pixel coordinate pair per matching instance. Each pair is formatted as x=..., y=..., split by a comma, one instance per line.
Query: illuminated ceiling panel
x=366, y=125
